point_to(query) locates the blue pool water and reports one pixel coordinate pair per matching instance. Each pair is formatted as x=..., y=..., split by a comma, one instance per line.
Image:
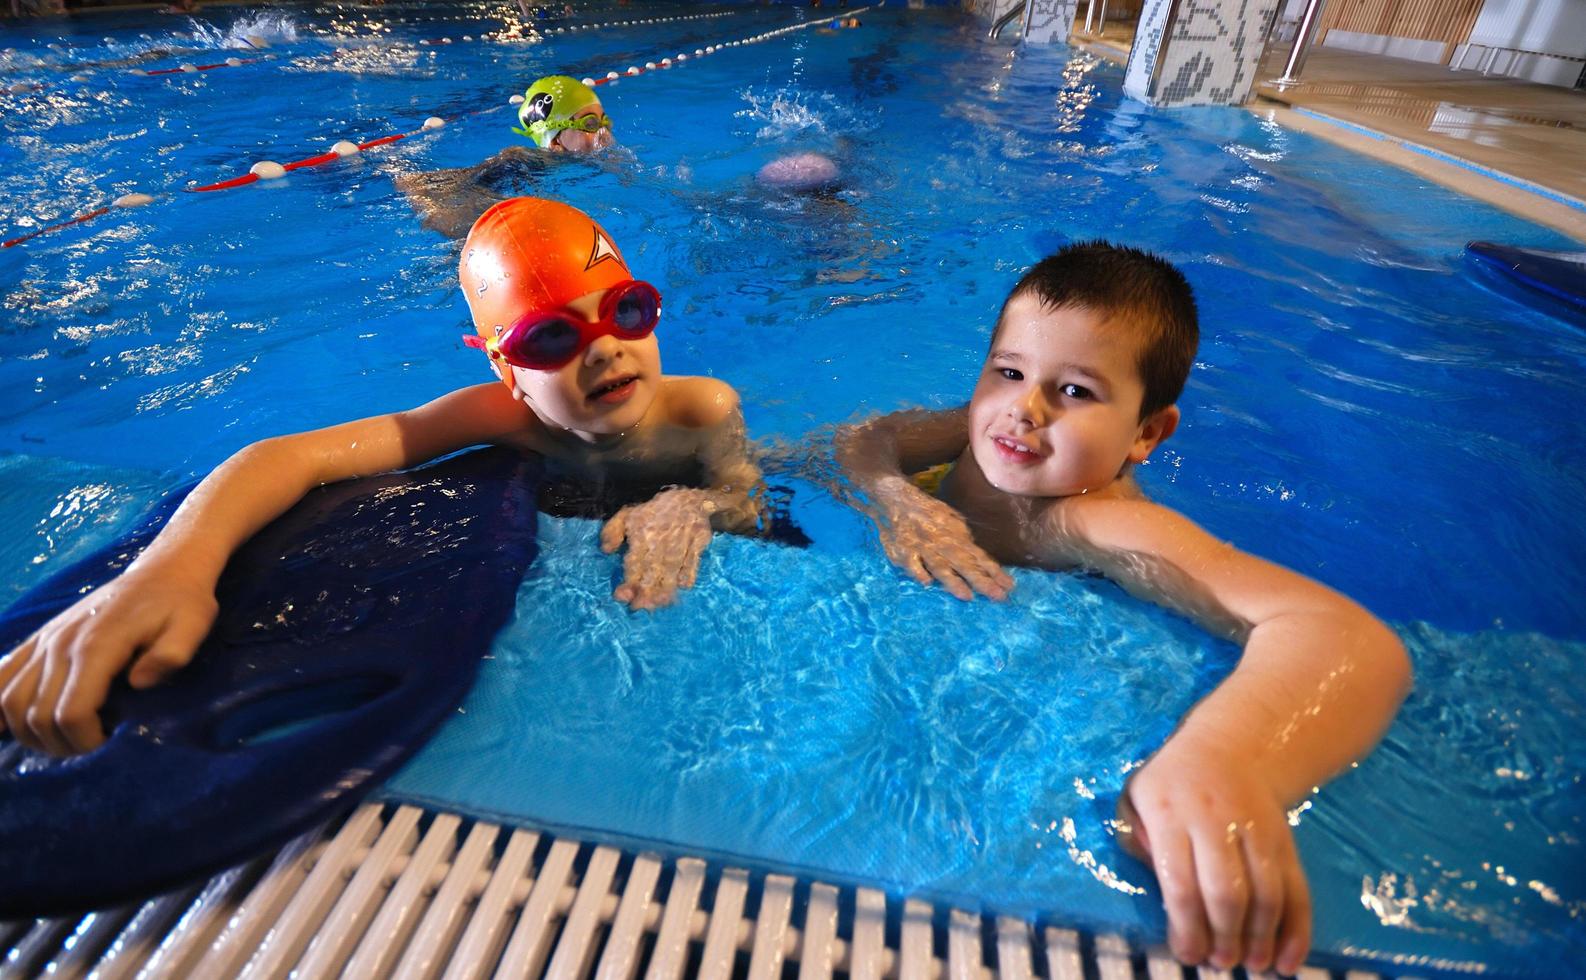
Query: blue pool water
x=1362, y=410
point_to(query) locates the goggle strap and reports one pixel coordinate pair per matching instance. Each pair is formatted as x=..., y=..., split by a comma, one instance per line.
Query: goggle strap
x=491, y=346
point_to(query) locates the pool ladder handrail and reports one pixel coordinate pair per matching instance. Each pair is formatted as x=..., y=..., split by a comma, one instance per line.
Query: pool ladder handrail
x=1016, y=13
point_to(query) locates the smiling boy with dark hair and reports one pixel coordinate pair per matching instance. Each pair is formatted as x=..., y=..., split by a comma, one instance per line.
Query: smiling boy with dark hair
x=1087, y=361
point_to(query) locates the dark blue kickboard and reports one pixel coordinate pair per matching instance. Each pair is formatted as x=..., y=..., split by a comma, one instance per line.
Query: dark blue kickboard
x=1561, y=275
x=349, y=629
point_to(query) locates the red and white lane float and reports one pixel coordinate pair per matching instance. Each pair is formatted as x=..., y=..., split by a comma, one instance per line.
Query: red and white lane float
x=612, y=77
x=270, y=170
x=263, y=170
x=188, y=69
x=124, y=201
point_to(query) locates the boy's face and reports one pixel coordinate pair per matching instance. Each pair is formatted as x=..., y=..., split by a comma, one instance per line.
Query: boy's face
x=604, y=390
x=1057, y=409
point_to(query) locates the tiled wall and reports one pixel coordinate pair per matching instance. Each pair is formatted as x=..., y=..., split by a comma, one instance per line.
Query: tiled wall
x=1207, y=54
x=1049, y=21
x=989, y=10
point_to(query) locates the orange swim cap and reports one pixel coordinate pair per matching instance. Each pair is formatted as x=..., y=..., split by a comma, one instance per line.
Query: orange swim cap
x=526, y=254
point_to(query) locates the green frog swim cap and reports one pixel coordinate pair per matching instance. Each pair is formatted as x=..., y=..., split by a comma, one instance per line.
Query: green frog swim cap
x=549, y=105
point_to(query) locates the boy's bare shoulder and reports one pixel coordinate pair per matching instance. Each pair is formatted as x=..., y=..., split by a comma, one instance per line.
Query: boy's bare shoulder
x=480, y=413
x=697, y=403
x=1118, y=516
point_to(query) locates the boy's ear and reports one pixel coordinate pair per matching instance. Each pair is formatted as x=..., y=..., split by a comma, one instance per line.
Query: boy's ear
x=1153, y=430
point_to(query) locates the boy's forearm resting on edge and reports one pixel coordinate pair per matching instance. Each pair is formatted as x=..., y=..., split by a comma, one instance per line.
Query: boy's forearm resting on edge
x=242, y=495
x=1319, y=679
x=1314, y=691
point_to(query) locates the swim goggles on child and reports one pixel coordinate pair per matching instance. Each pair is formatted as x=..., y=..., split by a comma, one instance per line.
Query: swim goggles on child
x=546, y=340
x=592, y=123
x=587, y=124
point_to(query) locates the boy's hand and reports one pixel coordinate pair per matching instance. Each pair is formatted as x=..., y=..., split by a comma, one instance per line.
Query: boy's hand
x=1224, y=856
x=929, y=539
x=665, y=536
x=52, y=686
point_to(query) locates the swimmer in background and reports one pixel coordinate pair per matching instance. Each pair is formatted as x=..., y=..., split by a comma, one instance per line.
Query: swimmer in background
x=1088, y=358
x=559, y=113
x=801, y=173
x=570, y=335
x=837, y=25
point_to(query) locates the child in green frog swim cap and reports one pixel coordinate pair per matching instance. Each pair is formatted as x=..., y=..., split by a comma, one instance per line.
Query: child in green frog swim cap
x=561, y=113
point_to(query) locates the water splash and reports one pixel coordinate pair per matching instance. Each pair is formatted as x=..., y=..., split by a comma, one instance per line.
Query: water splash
x=249, y=33
x=788, y=113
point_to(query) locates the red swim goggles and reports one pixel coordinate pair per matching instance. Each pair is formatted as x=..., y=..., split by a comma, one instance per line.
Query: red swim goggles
x=546, y=340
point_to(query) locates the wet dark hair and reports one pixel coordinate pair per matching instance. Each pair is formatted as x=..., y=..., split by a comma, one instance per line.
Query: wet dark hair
x=1130, y=288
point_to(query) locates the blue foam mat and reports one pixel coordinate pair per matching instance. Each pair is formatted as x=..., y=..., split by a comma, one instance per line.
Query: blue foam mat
x=331, y=662
x=1558, y=275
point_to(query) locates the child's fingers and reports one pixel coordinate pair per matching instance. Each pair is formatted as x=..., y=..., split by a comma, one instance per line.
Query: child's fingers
x=688, y=567
x=642, y=587
x=1266, y=898
x=173, y=647
x=1294, y=935
x=660, y=578
x=991, y=569
x=18, y=697
x=614, y=531
x=87, y=686
x=41, y=713
x=1131, y=831
x=1174, y=864
x=10, y=666
x=911, y=563
x=983, y=582
x=636, y=560
x=944, y=573
x=1220, y=866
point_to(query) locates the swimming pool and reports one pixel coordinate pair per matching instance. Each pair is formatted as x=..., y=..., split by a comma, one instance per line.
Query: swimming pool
x=1362, y=410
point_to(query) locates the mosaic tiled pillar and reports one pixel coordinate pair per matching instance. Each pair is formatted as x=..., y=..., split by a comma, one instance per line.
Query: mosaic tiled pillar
x=990, y=11
x=1197, y=52
x=1049, y=21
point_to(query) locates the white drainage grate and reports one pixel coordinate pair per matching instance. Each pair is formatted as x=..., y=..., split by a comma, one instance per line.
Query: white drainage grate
x=394, y=891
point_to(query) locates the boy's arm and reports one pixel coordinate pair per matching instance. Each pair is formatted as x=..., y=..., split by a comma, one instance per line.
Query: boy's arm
x=732, y=476
x=881, y=450
x=449, y=201
x=920, y=534
x=159, y=609
x=1318, y=683
x=667, y=534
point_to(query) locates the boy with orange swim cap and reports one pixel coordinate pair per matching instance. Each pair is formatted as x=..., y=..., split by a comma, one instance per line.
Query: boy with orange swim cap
x=569, y=331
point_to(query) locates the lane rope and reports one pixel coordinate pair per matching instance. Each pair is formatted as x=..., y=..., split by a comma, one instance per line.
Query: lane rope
x=612, y=77
x=190, y=68
x=512, y=34
x=124, y=201
x=271, y=170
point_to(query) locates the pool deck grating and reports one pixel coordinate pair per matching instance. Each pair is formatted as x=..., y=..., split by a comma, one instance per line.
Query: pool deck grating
x=395, y=891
